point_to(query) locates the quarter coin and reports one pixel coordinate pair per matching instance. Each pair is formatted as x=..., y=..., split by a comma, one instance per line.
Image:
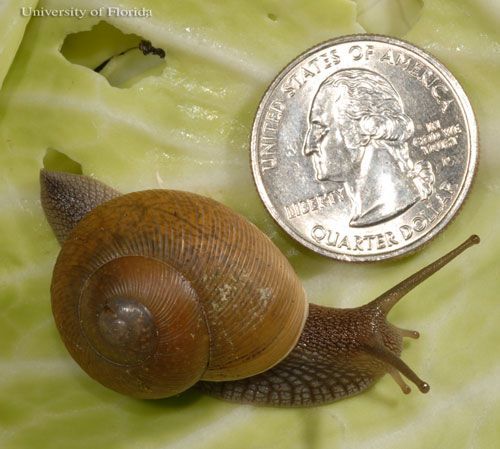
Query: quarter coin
x=364, y=148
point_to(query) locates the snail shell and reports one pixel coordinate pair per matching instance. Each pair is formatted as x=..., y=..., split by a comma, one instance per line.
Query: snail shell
x=155, y=290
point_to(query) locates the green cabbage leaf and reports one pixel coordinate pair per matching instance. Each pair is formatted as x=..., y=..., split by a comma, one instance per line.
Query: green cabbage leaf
x=185, y=125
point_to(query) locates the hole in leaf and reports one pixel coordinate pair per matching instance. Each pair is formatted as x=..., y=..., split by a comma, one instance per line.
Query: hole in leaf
x=391, y=17
x=272, y=17
x=56, y=161
x=123, y=59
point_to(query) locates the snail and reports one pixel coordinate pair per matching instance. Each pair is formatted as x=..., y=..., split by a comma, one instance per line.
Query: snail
x=156, y=291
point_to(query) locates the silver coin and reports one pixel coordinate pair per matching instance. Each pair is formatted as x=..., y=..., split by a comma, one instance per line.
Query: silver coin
x=364, y=148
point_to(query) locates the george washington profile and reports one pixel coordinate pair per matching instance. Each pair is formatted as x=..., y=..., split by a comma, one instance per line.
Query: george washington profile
x=357, y=134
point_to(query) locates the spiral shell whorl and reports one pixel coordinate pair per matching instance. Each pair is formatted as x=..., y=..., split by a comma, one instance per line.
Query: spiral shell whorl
x=131, y=333
x=136, y=252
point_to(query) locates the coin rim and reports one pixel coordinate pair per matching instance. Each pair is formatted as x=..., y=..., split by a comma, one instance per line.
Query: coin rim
x=447, y=218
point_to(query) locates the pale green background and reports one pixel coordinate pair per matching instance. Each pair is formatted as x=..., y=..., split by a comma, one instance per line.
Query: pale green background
x=188, y=129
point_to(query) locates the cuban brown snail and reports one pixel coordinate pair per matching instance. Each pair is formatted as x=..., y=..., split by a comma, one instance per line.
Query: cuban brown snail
x=156, y=291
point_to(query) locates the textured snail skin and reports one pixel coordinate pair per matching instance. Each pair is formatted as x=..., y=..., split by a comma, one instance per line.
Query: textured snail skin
x=156, y=291
x=327, y=364
x=63, y=202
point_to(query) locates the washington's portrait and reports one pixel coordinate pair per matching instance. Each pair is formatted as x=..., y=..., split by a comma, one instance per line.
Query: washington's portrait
x=357, y=133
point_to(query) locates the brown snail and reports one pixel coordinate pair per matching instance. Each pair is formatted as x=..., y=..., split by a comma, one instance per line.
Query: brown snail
x=156, y=291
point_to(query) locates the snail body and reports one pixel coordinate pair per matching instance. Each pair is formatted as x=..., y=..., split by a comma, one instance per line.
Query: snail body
x=156, y=291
